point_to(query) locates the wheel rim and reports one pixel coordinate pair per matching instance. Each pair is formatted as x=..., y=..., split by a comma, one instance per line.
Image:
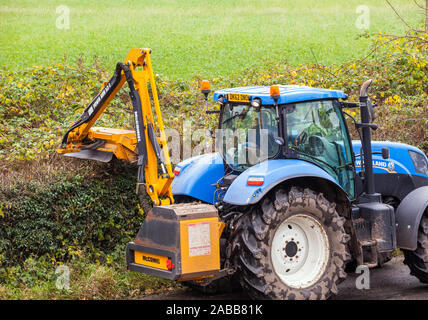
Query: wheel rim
x=300, y=251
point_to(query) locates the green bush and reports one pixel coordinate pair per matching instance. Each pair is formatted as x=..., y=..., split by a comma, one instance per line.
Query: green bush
x=70, y=214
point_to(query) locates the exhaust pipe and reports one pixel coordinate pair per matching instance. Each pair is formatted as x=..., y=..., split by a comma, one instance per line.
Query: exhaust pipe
x=367, y=116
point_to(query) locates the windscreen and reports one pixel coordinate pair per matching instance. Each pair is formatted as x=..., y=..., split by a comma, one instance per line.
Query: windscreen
x=248, y=135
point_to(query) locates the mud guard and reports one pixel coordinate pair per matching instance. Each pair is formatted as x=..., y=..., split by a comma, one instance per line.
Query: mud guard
x=408, y=217
x=198, y=177
x=273, y=173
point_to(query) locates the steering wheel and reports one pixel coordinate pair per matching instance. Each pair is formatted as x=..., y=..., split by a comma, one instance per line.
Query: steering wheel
x=302, y=137
x=316, y=145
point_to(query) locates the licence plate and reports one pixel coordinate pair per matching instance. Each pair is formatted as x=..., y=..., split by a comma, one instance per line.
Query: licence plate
x=239, y=97
x=151, y=260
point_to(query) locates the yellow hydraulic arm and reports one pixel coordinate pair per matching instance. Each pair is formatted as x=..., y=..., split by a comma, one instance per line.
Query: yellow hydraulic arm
x=145, y=145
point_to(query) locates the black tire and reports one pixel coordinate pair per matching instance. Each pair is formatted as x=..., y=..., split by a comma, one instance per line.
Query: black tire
x=254, y=243
x=417, y=260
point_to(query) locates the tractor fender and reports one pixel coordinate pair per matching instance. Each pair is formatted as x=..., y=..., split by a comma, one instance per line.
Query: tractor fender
x=198, y=177
x=273, y=172
x=408, y=218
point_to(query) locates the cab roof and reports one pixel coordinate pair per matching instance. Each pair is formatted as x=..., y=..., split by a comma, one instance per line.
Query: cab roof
x=288, y=94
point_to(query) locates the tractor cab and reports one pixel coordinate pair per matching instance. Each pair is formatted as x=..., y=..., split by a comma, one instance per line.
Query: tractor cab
x=300, y=123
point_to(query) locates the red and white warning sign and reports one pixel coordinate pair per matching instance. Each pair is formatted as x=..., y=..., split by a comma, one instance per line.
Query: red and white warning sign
x=199, y=239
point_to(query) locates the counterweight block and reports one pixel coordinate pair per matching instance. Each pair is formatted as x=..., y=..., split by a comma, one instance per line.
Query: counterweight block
x=178, y=242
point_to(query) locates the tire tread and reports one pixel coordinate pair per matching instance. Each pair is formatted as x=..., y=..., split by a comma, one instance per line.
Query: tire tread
x=256, y=277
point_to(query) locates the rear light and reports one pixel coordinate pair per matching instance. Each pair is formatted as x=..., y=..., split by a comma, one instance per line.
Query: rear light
x=177, y=171
x=255, y=181
x=169, y=264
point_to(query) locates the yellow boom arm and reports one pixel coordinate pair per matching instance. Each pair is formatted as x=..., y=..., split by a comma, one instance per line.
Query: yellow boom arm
x=146, y=145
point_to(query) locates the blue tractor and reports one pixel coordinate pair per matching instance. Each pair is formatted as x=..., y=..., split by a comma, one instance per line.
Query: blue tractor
x=317, y=201
x=288, y=202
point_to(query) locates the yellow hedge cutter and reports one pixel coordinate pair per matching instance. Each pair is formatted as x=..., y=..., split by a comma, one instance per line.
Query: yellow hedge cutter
x=162, y=245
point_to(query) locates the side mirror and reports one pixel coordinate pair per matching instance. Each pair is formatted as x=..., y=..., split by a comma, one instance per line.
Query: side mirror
x=280, y=141
x=385, y=153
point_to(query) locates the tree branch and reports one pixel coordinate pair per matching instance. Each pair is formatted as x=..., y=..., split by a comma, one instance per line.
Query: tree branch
x=419, y=5
x=399, y=16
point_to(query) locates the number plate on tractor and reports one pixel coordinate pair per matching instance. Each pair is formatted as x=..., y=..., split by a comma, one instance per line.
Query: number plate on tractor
x=239, y=97
x=151, y=260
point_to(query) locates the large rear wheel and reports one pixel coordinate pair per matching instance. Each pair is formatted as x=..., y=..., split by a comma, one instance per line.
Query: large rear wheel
x=417, y=260
x=293, y=246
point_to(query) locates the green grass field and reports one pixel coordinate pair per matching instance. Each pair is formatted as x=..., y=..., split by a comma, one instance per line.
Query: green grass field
x=192, y=38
